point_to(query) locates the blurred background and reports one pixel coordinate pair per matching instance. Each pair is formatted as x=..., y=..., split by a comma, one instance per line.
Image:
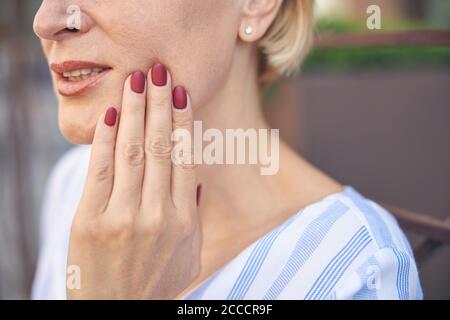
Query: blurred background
x=376, y=118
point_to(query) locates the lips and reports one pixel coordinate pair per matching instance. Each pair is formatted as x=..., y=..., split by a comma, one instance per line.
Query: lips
x=75, y=78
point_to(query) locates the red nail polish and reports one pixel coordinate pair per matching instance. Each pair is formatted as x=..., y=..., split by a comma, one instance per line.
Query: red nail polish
x=111, y=117
x=199, y=194
x=138, y=82
x=179, y=98
x=159, y=75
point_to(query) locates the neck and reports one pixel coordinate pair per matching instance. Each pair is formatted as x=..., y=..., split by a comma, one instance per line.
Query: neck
x=238, y=191
x=237, y=104
x=238, y=204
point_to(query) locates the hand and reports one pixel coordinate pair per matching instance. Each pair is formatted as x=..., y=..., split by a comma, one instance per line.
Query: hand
x=136, y=233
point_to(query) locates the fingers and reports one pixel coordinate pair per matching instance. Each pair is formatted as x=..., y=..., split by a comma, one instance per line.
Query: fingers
x=141, y=169
x=158, y=130
x=100, y=177
x=183, y=183
x=130, y=157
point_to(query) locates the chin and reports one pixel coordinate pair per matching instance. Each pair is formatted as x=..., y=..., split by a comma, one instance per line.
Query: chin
x=77, y=129
x=78, y=116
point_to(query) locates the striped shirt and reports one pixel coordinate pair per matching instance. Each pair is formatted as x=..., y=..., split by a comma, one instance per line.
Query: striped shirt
x=342, y=247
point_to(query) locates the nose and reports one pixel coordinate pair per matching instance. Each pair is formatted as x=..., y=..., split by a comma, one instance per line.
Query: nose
x=57, y=20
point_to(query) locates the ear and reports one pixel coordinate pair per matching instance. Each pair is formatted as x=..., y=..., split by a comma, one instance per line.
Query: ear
x=257, y=17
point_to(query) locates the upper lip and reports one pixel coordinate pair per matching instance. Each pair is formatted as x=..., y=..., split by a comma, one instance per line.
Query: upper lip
x=69, y=66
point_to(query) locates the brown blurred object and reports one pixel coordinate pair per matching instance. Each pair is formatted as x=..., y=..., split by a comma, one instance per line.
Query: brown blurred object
x=281, y=110
x=386, y=134
x=393, y=9
x=385, y=39
x=429, y=247
x=19, y=122
x=436, y=231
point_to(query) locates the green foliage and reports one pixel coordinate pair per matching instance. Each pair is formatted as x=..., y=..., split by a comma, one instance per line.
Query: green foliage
x=373, y=58
x=376, y=58
x=328, y=25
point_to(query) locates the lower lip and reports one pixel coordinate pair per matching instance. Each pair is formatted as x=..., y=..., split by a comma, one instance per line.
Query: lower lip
x=68, y=88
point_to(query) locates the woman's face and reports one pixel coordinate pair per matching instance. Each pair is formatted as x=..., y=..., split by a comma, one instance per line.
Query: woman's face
x=194, y=39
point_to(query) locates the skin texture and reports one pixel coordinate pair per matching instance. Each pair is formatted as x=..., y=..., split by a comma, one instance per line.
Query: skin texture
x=133, y=35
x=138, y=215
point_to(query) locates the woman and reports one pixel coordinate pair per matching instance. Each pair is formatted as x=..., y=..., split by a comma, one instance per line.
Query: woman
x=124, y=220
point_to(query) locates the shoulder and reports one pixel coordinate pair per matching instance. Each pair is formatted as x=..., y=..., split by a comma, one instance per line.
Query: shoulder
x=351, y=248
x=349, y=213
x=380, y=225
x=342, y=247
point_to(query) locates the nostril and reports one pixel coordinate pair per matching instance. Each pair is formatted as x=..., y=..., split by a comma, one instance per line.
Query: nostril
x=66, y=30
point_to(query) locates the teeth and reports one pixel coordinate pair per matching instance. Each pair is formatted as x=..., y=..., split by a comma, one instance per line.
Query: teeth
x=76, y=75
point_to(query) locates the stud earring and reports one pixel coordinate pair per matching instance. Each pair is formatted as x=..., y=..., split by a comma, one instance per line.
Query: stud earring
x=248, y=30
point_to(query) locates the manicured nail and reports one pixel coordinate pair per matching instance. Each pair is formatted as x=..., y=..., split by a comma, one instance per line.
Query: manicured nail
x=138, y=82
x=179, y=98
x=159, y=75
x=111, y=117
x=199, y=194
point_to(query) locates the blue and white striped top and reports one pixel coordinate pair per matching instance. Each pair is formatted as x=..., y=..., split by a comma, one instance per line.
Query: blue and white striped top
x=342, y=247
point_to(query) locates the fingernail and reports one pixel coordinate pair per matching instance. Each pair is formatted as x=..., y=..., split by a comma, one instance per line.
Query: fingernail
x=111, y=117
x=159, y=75
x=199, y=194
x=138, y=82
x=179, y=98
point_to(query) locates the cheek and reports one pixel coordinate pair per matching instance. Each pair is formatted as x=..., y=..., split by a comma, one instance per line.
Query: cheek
x=200, y=57
x=205, y=74
x=194, y=39
x=208, y=44
x=207, y=66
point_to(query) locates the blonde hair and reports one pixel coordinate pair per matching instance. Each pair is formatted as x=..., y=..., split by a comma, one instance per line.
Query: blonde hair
x=288, y=40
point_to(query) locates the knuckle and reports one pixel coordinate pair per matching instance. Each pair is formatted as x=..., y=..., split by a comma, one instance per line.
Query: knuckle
x=183, y=120
x=101, y=170
x=153, y=224
x=159, y=147
x=133, y=153
x=82, y=229
x=118, y=229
